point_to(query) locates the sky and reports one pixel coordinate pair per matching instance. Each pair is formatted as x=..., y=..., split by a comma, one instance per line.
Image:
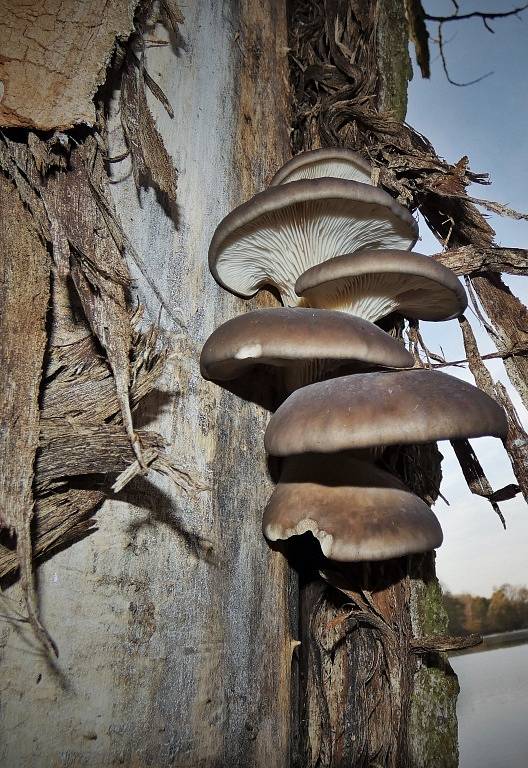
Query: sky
x=486, y=121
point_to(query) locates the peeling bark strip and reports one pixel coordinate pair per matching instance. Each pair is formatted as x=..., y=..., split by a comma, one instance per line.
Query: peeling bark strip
x=24, y=296
x=54, y=56
x=469, y=260
x=516, y=442
x=151, y=163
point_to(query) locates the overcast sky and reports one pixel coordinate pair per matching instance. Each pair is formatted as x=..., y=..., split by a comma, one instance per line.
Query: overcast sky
x=488, y=122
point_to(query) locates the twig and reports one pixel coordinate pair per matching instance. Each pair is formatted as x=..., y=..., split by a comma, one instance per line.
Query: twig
x=444, y=63
x=484, y=15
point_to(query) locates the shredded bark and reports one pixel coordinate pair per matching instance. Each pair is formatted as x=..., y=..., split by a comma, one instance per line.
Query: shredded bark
x=24, y=297
x=92, y=363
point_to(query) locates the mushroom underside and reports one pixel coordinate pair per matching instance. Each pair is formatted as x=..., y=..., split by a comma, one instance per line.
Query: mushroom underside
x=376, y=295
x=278, y=246
x=328, y=168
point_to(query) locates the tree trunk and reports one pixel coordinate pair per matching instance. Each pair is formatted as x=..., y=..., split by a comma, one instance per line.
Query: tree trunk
x=175, y=621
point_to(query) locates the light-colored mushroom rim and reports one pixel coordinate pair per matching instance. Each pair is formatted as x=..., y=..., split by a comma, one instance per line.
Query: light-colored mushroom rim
x=359, y=478
x=302, y=191
x=317, y=156
x=372, y=262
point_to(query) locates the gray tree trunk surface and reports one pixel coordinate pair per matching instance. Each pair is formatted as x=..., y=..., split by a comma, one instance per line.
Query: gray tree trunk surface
x=172, y=620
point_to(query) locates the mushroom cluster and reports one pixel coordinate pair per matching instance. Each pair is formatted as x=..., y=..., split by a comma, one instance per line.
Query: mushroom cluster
x=337, y=249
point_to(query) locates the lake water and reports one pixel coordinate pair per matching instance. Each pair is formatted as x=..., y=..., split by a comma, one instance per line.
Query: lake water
x=493, y=708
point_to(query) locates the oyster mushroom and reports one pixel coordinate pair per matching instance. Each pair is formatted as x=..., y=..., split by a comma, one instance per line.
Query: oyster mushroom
x=296, y=346
x=331, y=162
x=372, y=284
x=355, y=510
x=281, y=232
x=369, y=410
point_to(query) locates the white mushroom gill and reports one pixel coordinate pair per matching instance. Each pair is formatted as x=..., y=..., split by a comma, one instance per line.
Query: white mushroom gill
x=277, y=247
x=306, y=372
x=374, y=296
x=334, y=169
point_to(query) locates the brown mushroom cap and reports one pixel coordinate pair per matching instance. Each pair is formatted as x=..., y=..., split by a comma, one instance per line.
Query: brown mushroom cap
x=356, y=510
x=372, y=284
x=331, y=162
x=283, y=231
x=289, y=337
x=382, y=408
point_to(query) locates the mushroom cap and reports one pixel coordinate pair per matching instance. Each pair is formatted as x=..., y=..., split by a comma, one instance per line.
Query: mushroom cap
x=288, y=337
x=354, y=509
x=372, y=284
x=281, y=232
x=331, y=162
x=382, y=408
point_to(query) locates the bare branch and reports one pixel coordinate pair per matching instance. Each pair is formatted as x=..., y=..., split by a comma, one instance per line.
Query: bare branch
x=484, y=15
x=419, y=16
x=444, y=63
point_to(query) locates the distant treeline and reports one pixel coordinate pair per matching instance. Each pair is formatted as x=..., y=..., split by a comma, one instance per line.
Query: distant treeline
x=504, y=611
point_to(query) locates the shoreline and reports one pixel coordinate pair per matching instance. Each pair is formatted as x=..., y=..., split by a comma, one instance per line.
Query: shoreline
x=497, y=640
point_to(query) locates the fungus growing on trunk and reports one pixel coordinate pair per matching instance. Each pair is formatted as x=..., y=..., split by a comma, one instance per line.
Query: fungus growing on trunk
x=355, y=510
x=296, y=346
x=328, y=241
x=281, y=232
x=330, y=162
x=372, y=284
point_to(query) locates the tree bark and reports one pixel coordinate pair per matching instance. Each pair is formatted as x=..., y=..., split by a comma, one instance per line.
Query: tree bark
x=173, y=618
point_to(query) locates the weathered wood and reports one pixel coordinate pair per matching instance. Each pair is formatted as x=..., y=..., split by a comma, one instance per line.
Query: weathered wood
x=54, y=57
x=173, y=617
x=469, y=260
